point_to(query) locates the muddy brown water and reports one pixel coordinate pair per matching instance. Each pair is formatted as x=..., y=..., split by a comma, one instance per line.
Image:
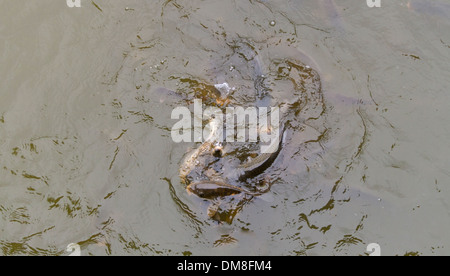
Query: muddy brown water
x=86, y=152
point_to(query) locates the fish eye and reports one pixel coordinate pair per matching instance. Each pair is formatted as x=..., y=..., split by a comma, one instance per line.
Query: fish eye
x=218, y=152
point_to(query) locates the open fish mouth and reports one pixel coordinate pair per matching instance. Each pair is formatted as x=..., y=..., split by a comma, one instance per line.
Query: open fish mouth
x=211, y=189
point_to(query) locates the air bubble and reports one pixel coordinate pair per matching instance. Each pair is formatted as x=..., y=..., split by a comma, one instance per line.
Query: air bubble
x=273, y=23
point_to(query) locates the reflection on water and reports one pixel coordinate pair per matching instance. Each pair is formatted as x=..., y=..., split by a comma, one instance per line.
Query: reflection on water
x=86, y=152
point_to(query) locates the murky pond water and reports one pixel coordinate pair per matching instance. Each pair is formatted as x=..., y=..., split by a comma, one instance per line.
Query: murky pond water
x=86, y=148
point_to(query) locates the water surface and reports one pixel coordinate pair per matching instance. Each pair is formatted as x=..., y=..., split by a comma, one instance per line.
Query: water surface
x=85, y=148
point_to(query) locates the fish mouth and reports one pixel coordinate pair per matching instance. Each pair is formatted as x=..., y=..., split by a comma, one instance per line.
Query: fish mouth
x=212, y=189
x=193, y=186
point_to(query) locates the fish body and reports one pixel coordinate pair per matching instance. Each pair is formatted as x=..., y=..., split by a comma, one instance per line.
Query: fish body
x=260, y=163
x=218, y=171
x=205, y=149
